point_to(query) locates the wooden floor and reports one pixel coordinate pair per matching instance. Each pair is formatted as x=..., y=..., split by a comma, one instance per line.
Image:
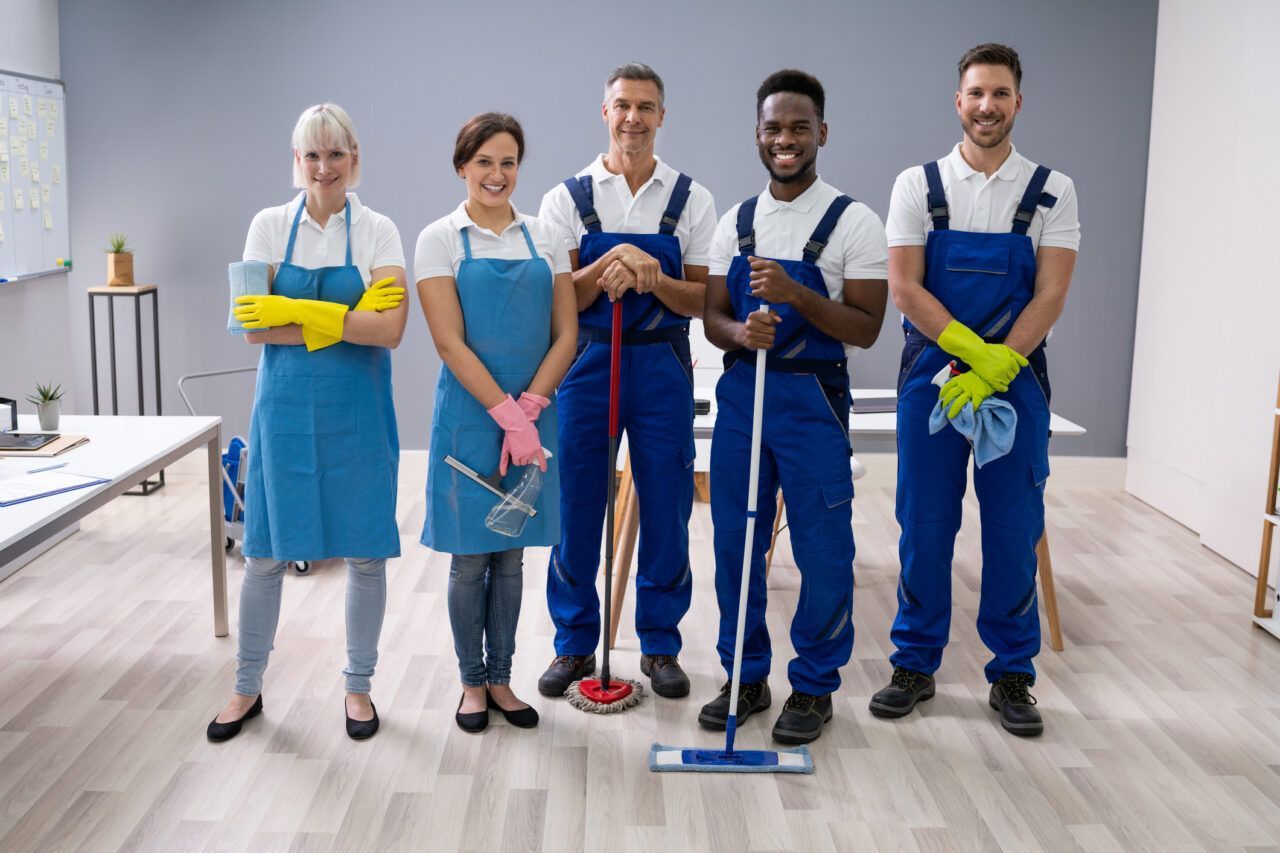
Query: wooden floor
x=1163, y=718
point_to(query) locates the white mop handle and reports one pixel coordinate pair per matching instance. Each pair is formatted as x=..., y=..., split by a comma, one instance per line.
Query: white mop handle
x=753, y=485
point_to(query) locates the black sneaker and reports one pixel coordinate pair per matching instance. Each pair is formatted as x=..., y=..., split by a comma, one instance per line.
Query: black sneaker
x=665, y=675
x=751, y=698
x=565, y=670
x=906, y=688
x=802, y=718
x=1012, y=698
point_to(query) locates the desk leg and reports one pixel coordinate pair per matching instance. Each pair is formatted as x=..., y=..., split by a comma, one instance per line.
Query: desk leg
x=217, y=556
x=1050, y=592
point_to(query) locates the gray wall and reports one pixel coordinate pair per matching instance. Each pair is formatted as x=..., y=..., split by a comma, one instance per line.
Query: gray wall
x=180, y=113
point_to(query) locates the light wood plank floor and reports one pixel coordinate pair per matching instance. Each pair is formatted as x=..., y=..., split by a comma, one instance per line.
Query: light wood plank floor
x=1163, y=721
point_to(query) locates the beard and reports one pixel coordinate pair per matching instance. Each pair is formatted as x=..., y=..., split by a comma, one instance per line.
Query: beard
x=807, y=168
x=971, y=129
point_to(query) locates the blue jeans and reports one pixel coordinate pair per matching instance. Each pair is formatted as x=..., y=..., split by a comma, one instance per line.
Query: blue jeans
x=260, y=612
x=484, y=608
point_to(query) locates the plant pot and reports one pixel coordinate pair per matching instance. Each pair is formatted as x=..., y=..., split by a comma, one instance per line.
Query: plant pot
x=48, y=413
x=120, y=269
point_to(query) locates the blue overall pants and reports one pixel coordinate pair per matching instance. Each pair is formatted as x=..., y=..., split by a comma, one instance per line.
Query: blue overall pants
x=984, y=280
x=805, y=450
x=656, y=413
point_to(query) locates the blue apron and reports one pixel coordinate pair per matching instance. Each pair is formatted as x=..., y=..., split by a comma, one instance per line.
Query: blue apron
x=984, y=280
x=506, y=310
x=655, y=410
x=323, y=448
x=805, y=450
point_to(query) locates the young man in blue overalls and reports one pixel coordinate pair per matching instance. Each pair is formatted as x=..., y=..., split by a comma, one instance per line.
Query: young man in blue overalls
x=818, y=259
x=982, y=246
x=638, y=232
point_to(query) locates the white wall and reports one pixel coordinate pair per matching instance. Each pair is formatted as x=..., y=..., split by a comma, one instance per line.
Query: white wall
x=35, y=341
x=1207, y=347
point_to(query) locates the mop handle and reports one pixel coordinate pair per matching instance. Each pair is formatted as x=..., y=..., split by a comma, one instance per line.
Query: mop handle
x=753, y=485
x=615, y=381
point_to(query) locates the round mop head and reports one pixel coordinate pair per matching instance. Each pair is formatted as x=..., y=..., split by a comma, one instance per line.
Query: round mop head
x=596, y=697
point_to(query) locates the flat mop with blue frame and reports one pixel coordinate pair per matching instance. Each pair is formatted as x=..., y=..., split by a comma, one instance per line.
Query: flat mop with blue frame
x=675, y=758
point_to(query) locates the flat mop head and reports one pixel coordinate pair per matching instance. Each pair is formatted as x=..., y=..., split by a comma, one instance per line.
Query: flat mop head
x=596, y=697
x=663, y=759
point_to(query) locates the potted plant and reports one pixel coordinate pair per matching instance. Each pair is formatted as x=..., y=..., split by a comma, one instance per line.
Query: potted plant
x=48, y=404
x=119, y=261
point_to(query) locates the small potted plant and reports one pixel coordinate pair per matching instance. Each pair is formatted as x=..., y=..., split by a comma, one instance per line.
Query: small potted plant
x=119, y=261
x=48, y=405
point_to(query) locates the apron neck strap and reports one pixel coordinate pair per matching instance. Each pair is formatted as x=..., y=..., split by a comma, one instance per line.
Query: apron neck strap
x=533, y=251
x=347, y=214
x=293, y=231
x=466, y=242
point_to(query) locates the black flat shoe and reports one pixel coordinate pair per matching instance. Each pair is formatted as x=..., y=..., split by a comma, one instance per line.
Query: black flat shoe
x=361, y=729
x=474, y=722
x=218, y=732
x=523, y=718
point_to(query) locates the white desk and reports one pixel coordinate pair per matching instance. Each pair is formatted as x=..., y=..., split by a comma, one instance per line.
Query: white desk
x=126, y=451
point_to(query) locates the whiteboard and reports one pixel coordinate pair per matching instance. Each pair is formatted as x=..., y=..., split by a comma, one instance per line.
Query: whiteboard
x=34, y=234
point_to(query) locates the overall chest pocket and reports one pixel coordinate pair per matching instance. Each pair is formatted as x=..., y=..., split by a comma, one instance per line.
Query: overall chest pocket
x=991, y=260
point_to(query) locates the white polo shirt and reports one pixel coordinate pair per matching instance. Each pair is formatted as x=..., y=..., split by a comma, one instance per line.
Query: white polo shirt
x=982, y=204
x=440, y=251
x=622, y=212
x=375, y=240
x=856, y=249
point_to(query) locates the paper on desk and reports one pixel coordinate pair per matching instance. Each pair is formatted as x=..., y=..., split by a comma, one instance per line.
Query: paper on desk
x=28, y=487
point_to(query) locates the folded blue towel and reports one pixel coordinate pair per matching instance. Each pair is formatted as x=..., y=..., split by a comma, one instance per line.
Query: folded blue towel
x=245, y=278
x=990, y=431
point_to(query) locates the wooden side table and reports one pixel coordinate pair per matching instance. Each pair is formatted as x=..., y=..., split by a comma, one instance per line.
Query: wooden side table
x=134, y=292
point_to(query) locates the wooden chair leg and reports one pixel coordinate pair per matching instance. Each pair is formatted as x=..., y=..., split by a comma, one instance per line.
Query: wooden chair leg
x=773, y=541
x=702, y=485
x=629, y=527
x=1045, y=565
x=626, y=493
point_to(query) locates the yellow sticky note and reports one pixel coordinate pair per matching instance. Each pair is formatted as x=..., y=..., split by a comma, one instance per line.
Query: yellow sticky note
x=53, y=109
x=3, y=196
x=4, y=171
x=24, y=167
x=35, y=198
x=26, y=104
x=44, y=151
x=48, y=127
x=44, y=194
x=35, y=173
x=19, y=200
x=13, y=108
x=40, y=108
x=48, y=221
x=57, y=174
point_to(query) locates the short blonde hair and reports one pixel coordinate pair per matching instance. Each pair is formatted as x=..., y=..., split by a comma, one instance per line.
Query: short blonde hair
x=321, y=128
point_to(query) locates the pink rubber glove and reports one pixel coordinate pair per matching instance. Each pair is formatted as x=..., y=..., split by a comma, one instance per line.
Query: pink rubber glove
x=532, y=405
x=520, y=442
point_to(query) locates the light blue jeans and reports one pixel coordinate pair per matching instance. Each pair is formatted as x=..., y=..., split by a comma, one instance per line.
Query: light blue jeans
x=484, y=608
x=260, y=613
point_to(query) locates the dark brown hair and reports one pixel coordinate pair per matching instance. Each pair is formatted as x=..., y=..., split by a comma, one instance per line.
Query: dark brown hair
x=480, y=129
x=993, y=54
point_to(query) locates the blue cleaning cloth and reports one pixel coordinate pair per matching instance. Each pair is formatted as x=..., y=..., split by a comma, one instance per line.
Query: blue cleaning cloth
x=990, y=431
x=245, y=278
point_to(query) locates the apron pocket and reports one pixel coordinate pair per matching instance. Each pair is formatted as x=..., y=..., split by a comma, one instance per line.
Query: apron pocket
x=311, y=405
x=993, y=260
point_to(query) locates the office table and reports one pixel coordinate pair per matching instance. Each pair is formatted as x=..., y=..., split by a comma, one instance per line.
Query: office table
x=864, y=425
x=126, y=450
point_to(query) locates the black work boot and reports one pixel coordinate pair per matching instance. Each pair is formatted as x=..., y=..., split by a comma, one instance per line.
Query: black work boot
x=802, y=718
x=1011, y=697
x=665, y=675
x=905, y=689
x=751, y=698
x=565, y=670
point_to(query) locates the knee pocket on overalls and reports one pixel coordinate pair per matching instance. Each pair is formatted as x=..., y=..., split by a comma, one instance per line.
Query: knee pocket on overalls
x=1025, y=509
x=820, y=516
x=674, y=486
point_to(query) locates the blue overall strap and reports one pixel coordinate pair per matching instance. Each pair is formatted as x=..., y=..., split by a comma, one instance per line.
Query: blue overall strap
x=821, y=234
x=293, y=232
x=348, y=214
x=747, y=226
x=1030, y=199
x=580, y=190
x=675, y=207
x=533, y=250
x=466, y=242
x=939, y=210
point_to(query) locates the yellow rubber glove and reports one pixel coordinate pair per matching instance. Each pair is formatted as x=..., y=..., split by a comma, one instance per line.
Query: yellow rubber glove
x=995, y=363
x=965, y=388
x=381, y=296
x=321, y=321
